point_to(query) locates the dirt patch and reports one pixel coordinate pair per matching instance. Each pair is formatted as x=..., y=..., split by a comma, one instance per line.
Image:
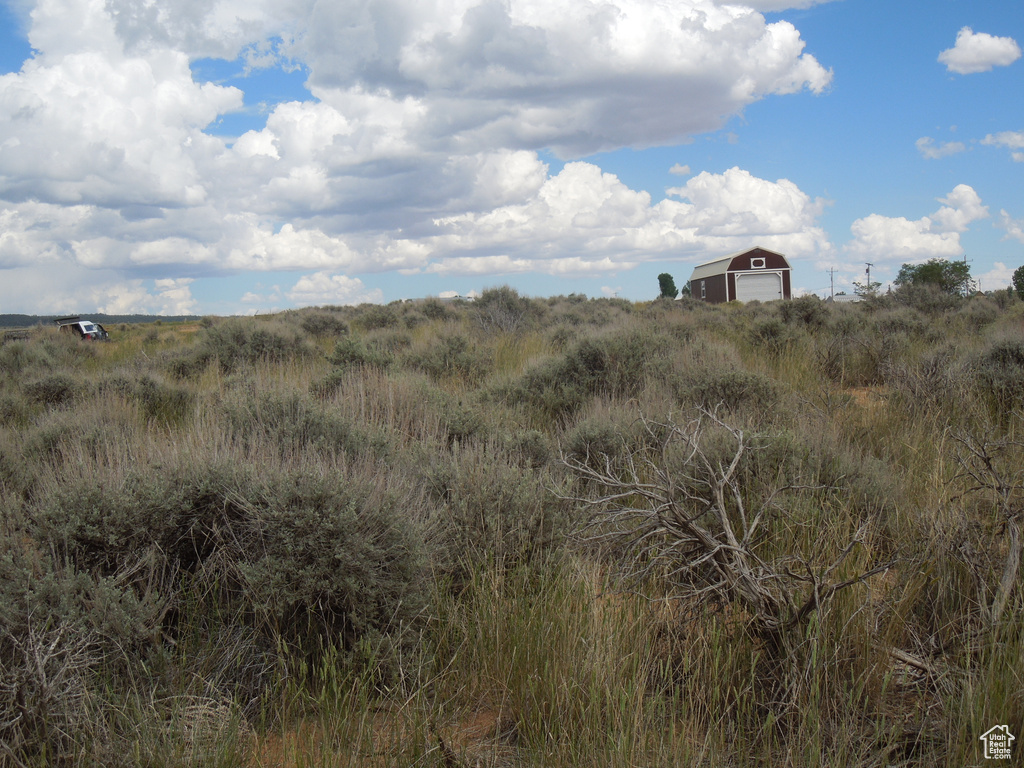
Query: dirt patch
x=867, y=397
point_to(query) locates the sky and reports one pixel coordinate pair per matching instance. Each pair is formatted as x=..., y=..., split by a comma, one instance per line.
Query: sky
x=248, y=156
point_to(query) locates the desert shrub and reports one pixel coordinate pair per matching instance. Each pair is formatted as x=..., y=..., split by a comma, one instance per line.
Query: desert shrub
x=236, y=342
x=808, y=311
x=978, y=312
x=16, y=474
x=46, y=671
x=14, y=410
x=732, y=389
x=857, y=349
x=256, y=529
x=614, y=364
x=503, y=309
x=434, y=309
x=289, y=422
x=371, y=317
x=999, y=373
x=489, y=510
x=531, y=447
x=390, y=342
x=54, y=389
x=352, y=351
x=927, y=298
x=186, y=365
x=771, y=334
x=599, y=438
x=335, y=557
x=902, y=322
x=413, y=319
x=19, y=357
x=937, y=380
x=561, y=337
x=164, y=403
x=323, y=324
x=64, y=349
x=460, y=421
x=451, y=356
x=1005, y=299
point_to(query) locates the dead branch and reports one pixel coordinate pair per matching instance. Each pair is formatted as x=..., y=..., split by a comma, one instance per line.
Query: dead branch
x=682, y=513
x=982, y=466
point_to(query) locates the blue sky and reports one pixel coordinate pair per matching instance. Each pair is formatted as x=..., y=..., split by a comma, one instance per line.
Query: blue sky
x=232, y=157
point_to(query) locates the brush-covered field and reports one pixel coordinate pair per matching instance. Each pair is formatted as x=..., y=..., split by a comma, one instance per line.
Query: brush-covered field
x=517, y=532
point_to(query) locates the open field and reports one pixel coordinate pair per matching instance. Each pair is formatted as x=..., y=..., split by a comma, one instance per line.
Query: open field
x=548, y=532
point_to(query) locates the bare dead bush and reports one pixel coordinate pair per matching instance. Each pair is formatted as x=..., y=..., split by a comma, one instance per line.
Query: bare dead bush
x=44, y=706
x=682, y=513
x=988, y=468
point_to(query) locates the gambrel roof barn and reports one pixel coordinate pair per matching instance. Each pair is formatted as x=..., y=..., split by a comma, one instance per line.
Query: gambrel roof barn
x=755, y=274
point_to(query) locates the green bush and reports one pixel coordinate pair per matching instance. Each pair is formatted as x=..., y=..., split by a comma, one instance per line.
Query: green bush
x=808, y=311
x=771, y=334
x=489, y=510
x=309, y=557
x=503, y=309
x=19, y=357
x=351, y=351
x=732, y=389
x=434, y=309
x=14, y=410
x=371, y=317
x=999, y=373
x=236, y=342
x=615, y=365
x=323, y=324
x=290, y=423
x=164, y=403
x=55, y=389
x=531, y=447
x=451, y=356
x=594, y=440
x=333, y=557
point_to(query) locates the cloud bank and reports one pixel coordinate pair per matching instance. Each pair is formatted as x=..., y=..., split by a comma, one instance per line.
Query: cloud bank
x=417, y=147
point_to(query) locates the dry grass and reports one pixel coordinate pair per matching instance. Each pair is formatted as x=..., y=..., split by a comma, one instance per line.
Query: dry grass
x=527, y=650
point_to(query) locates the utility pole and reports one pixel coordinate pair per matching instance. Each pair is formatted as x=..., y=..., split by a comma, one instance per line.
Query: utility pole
x=832, y=282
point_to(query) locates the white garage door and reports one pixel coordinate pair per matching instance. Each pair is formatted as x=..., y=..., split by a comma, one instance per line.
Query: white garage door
x=762, y=286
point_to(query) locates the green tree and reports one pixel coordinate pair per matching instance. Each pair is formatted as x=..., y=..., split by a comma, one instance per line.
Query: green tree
x=951, y=277
x=668, y=286
x=865, y=288
x=1018, y=281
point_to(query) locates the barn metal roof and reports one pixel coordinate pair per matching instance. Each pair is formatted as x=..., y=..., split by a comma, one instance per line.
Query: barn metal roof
x=718, y=266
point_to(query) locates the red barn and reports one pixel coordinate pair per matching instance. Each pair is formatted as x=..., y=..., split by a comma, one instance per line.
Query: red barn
x=757, y=274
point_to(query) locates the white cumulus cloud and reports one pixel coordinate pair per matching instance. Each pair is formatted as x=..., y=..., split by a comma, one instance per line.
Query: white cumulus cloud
x=893, y=240
x=979, y=52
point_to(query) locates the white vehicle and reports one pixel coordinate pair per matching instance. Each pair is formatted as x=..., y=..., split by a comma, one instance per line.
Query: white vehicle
x=86, y=330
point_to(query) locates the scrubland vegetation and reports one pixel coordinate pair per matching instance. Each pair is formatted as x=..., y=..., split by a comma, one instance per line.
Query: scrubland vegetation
x=547, y=532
